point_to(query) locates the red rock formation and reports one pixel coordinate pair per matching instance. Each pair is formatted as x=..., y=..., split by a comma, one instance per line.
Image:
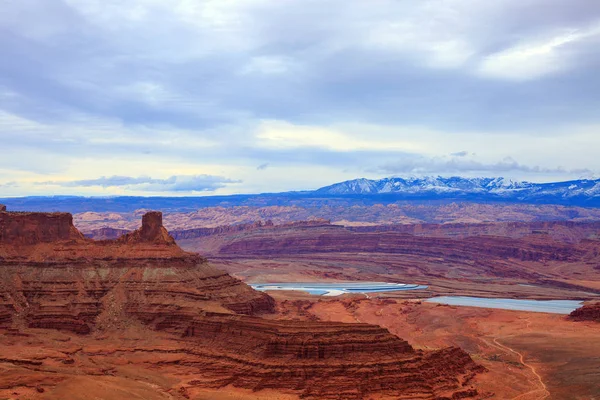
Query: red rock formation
x=589, y=312
x=341, y=240
x=486, y=255
x=226, y=229
x=2, y=207
x=52, y=238
x=562, y=231
x=152, y=231
x=34, y=228
x=390, y=254
x=332, y=360
x=52, y=277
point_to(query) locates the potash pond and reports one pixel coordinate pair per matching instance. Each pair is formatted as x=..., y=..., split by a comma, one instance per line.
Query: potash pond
x=337, y=288
x=546, y=306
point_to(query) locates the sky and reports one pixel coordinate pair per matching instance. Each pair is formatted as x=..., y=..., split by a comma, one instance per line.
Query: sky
x=190, y=97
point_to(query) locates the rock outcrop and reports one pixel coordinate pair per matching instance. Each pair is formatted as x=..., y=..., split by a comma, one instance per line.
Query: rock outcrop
x=588, y=312
x=34, y=228
x=228, y=229
x=152, y=231
x=52, y=277
x=331, y=360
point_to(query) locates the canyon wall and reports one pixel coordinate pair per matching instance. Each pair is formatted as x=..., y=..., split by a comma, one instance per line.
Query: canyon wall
x=560, y=255
x=563, y=231
x=53, y=278
x=336, y=240
x=32, y=228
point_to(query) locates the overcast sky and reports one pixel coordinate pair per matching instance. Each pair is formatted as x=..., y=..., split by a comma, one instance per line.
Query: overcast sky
x=147, y=97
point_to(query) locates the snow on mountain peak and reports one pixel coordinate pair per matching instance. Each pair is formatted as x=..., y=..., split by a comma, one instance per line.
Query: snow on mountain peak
x=498, y=187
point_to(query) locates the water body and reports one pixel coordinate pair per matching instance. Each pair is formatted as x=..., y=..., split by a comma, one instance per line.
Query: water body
x=546, y=306
x=338, y=288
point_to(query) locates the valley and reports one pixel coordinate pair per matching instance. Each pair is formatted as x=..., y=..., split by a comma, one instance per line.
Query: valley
x=151, y=320
x=553, y=265
x=144, y=315
x=551, y=260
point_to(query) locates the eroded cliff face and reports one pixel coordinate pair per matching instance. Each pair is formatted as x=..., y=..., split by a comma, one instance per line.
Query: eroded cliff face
x=33, y=228
x=384, y=253
x=51, y=277
x=51, y=238
x=340, y=240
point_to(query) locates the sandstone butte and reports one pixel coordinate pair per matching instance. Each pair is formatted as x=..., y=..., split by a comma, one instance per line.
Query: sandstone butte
x=53, y=278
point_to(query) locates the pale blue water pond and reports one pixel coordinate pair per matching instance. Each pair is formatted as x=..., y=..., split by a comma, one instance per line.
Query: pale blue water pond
x=337, y=288
x=546, y=306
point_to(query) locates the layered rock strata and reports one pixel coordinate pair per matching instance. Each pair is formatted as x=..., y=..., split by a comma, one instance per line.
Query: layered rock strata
x=336, y=240
x=453, y=265
x=561, y=231
x=52, y=277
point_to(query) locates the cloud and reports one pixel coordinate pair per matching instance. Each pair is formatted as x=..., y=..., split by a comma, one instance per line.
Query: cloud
x=275, y=134
x=182, y=183
x=323, y=90
x=423, y=165
x=11, y=184
x=536, y=59
x=195, y=64
x=262, y=167
x=268, y=65
x=463, y=153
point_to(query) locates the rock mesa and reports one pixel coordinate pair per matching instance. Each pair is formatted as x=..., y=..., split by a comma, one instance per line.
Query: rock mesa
x=52, y=277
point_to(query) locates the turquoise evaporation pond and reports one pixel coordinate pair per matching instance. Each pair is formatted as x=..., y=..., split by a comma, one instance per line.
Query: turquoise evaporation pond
x=546, y=306
x=337, y=288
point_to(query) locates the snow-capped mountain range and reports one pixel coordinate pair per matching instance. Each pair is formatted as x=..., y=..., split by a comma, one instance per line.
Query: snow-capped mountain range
x=500, y=188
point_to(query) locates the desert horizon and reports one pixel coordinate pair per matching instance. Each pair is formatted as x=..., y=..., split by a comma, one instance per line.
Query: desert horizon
x=299, y=200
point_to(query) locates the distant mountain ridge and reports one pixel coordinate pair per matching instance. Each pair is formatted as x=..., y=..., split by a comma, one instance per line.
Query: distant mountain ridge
x=497, y=187
x=361, y=192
